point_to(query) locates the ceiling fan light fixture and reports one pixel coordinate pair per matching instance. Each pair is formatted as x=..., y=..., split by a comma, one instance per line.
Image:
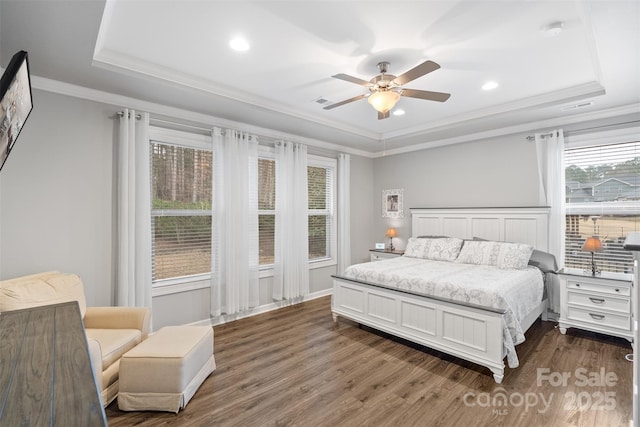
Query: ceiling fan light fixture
x=383, y=101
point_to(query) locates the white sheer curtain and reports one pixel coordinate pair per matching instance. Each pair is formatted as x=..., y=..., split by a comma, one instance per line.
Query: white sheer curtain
x=133, y=283
x=344, y=212
x=550, y=152
x=291, y=269
x=234, y=277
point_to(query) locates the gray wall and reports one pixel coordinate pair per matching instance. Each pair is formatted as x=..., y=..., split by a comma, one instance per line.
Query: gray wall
x=56, y=194
x=501, y=172
x=57, y=207
x=362, y=208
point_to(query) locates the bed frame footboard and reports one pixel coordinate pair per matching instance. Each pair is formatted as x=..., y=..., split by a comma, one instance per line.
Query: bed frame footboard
x=469, y=333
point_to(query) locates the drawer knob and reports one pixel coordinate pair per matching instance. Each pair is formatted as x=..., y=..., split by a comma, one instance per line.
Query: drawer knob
x=617, y=290
x=596, y=300
x=577, y=285
x=597, y=316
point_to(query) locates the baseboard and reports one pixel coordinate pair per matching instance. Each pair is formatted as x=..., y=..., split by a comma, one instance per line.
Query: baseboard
x=225, y=318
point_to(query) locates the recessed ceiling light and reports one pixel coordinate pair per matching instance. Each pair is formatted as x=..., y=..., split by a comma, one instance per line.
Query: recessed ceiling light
x=552, y=29
x=239, y=44
x=489, y=85
x=398, y=112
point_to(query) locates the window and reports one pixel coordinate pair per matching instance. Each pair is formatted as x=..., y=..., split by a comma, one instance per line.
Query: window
x=320, y=180
x=181, y=215
x=321, y=216
x=266, y=209
x=593, y=208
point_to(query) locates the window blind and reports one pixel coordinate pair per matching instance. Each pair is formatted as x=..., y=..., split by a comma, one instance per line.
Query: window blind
x=181, y=187
x=603, y=199
x=320, y=188
x=266, y=209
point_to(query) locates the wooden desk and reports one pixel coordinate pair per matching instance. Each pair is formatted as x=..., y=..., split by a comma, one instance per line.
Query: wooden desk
x=45, y=369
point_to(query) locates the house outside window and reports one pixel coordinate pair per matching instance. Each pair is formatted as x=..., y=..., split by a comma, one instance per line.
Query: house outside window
x=603, y=199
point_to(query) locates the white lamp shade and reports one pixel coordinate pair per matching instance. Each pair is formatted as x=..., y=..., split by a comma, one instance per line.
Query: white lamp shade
x=384, y=101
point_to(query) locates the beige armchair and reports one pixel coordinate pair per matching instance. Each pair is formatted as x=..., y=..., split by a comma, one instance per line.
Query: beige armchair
x=111, y=331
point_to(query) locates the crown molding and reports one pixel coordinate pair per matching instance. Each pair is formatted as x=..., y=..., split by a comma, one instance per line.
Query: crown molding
x=516, y=129
x=573, y=93
x=121, y=101
x=119, y=63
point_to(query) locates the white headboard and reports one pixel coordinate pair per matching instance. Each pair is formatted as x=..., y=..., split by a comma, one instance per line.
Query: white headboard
x=518, y=225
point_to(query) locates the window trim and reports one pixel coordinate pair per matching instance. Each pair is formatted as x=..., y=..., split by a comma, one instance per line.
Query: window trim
x=204, y=142
x=268, y=153
x=596, y=139
x=186, y=140
x=329, y=163
x=266, y=270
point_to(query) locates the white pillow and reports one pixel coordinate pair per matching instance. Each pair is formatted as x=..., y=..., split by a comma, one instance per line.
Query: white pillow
x=416, y=248
x=438, y=249
x=500, y=254
x=445, y=249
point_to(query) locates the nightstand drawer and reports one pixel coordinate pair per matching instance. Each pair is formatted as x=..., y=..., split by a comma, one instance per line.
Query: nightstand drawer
x=595, y=317
x=605, y=288
x=379, y=255
x=595, y=302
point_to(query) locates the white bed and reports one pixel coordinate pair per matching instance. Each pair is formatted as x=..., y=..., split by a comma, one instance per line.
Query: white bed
x=400, y=297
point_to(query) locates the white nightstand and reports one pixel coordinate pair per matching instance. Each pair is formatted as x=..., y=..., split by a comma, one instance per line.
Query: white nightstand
x=379, y=254
x=595, y=303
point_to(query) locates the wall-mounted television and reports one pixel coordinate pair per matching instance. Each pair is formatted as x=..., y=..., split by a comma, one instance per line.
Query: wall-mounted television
x=16, y=102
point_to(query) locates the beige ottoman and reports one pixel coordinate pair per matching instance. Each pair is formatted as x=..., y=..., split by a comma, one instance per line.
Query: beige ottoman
x=163, y=372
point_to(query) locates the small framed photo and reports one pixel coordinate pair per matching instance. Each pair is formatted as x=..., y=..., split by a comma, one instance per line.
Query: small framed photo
x=392, y=206
x=379, y=245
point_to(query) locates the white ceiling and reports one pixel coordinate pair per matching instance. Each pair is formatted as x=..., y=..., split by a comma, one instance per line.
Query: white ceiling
x=176, y=53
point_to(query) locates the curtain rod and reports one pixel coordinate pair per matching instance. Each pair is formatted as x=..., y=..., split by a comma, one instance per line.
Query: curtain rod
x=182, y=125
x=121, y=113
x=545, y=135
x=262, y=138
x=153, y=119
x=532, y=138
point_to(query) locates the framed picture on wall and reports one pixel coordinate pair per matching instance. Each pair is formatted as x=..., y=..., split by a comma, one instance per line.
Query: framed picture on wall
x=392, y=206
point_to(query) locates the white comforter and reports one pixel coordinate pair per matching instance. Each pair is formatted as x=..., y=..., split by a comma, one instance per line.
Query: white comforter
x=516, y=292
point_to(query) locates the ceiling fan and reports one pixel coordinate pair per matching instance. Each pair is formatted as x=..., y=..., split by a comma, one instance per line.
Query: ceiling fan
x=386, y=89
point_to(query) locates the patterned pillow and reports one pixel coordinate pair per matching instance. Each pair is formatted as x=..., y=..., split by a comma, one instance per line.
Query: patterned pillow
x=499, y=254
x=438, y=249
x=445, y=249
x=416, y=248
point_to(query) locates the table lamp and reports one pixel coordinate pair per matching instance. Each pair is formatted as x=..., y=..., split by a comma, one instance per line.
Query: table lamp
x=593, y=245
x=391, y=233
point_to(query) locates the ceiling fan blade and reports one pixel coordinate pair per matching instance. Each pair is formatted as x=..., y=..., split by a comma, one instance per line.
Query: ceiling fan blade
x=351, y=79
x=417, y=71
x=425, y=94
x=346, y=101
x=383, y=115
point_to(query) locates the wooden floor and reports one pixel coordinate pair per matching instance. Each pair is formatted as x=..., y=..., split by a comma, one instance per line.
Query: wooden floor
x=295, y=367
